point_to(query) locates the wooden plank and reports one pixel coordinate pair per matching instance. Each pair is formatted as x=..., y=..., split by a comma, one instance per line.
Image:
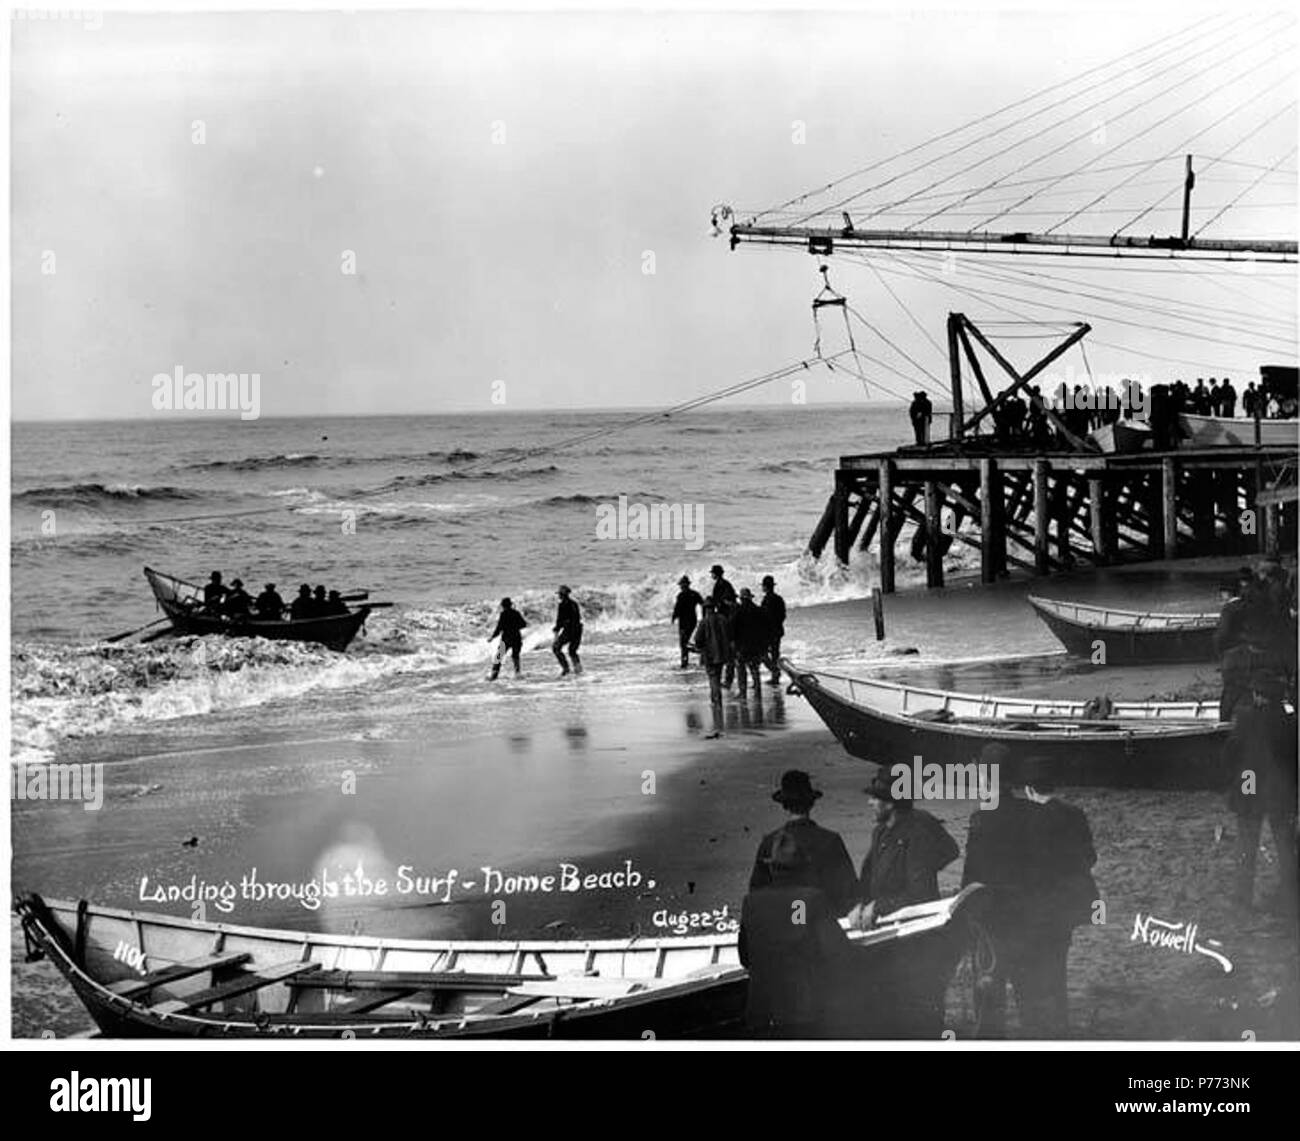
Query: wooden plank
x=988, y=530
x=413, y=980
x=1041, y=554
x=841, y=517
x=372, y=1000
x=1169, y=505
x=253, y=980
x=933, y=536
x=885, y=481
x=822, y=532
x=129, y=988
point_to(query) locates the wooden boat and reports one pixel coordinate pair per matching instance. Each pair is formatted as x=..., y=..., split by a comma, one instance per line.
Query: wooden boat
x=143, y=975
x=1143, y=745
x=182, y=602
x=1237, y=432
x=1122, y=436
x=1129, y=636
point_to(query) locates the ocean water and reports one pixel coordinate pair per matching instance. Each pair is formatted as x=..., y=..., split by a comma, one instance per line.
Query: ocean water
x=442, y=515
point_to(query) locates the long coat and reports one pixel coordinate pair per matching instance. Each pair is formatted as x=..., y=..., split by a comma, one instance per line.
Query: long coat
x=903, y=864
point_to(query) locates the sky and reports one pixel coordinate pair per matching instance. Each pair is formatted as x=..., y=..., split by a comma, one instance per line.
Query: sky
x=189, y=189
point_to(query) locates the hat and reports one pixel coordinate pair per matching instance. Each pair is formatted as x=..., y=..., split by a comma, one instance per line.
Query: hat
x=882, y=788
x=716, y=568
x=709, y=604
x=1039, y=772
x=768, y=580
x=237, y=582
x=304, y=589
x=796, y=788
x=563, y=590
x=506, y=602
x=745, y=592
x=685, y=580
x=269, y=586
x=995, y=753
x=216, y=576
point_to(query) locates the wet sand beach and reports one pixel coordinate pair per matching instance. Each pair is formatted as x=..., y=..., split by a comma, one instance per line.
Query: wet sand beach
x=629, y=792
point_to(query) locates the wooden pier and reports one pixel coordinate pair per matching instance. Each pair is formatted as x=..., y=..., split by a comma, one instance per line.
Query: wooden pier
x=1049, y=511
x=1044, y=511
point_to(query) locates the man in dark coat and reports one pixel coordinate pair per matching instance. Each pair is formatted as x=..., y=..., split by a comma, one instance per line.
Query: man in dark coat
x=773, y=607
x=237, y=602
x=214, y=593
x=920, y=412
x=1262, y=760
x=789, y=938
x=1037, y=855
x=713, y=644
x=269, y=604
x=1227, y=399
x=686, y=614
x=303, y=606
x=567, y=631
x=908, y=847
x=750, y=637
x=510, y=628
x=724, y=598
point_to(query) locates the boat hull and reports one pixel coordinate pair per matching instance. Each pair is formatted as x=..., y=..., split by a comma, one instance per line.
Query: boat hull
x=334, y=632
x=1105, y=754
x=1222, y=432
x=1130, y=644
x=324, y=986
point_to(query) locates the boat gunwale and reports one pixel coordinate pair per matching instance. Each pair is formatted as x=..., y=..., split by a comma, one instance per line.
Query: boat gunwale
x=1178, y=623
x=1075, y=730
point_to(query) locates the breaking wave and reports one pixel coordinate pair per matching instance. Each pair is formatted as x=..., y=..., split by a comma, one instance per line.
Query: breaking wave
x=98, y=494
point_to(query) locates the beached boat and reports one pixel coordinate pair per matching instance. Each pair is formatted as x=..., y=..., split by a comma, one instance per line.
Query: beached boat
x=143, y=975
x=182, y=602
x=1225, y=432
x=1139, y=744
x=1129, y=637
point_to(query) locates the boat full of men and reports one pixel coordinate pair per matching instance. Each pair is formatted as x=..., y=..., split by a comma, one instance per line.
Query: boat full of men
x=235, y=605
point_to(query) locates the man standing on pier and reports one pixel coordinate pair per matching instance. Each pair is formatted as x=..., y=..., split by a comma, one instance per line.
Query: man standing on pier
x=773, y=607
x=686, y=615
x=1227, y=399
x=920, y=412
x=568, y=632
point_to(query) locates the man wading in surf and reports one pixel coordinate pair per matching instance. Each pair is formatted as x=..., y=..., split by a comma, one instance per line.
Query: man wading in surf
x=568, y=632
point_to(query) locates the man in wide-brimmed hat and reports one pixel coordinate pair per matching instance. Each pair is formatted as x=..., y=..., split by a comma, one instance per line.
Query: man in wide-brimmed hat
x=908, y=847
x=790, y=939
x=686, y=613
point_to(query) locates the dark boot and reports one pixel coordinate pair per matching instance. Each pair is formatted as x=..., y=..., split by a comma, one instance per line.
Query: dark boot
x=496, y=670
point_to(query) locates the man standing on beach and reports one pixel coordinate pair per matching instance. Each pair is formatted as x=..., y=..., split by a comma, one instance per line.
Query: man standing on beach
x=750, y=637
x=568, y=632
x=510, y=626
x=789, y=938
x=724, y=600
x=1262, y=754
x=908, y=847
x=1036, y=854
x=773, y=607
x=713, y=644
x=686, y=615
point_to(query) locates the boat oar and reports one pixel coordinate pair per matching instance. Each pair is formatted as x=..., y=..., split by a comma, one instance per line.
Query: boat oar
x=157, y=634
x=128, y=633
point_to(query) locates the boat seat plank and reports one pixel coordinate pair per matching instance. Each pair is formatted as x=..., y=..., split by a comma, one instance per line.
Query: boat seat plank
x=580, y=986
x=253, y=980
x=507, y=1005
x=372, y=1000
x=412, y=980
x=131, y=988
